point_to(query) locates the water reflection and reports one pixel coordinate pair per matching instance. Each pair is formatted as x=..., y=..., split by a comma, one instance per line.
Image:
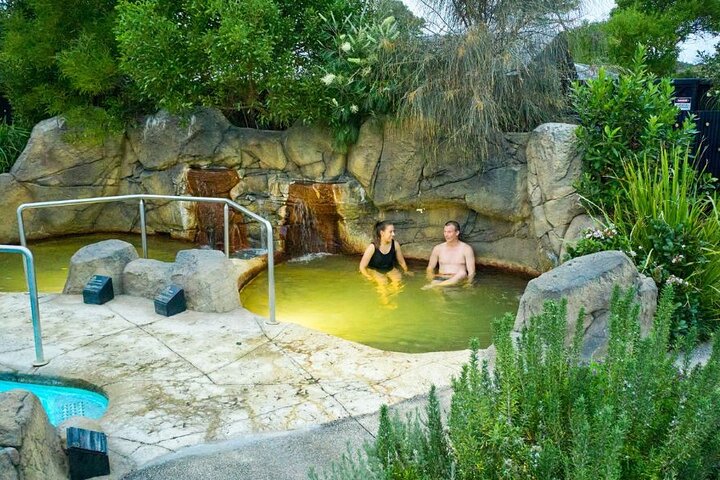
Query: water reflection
x=327, y=293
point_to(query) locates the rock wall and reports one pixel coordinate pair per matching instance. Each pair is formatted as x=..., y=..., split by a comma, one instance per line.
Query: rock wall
x=29, y=446
x=514, y=210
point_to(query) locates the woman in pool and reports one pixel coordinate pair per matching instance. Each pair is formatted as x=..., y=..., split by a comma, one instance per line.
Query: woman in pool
x=382, y=257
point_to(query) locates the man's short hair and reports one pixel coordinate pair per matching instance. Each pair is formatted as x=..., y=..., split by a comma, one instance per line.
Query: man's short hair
x=454, y=224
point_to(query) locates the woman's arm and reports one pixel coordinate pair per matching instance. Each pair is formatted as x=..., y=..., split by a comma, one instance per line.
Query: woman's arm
x=400, y=259
x=365, y=261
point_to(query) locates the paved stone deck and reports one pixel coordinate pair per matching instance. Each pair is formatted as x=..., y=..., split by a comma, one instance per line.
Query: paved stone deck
x=197, y=377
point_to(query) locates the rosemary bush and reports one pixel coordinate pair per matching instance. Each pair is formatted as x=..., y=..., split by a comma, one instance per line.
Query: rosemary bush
x=542, y=413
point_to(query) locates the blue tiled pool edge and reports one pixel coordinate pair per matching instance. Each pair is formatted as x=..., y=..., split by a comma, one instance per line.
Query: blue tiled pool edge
x=61, y=398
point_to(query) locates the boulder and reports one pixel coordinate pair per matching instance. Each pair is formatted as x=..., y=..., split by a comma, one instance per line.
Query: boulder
x=13, y=194
x=311, y=149
x=49, y=160
x=9, y=461
x=108, y=257
x=588, y=282
x=210, y=280
x=28, y=442
x=252, y=149
x=165, y=140
x=363, y=156
x=145, y=277
x=554, y=166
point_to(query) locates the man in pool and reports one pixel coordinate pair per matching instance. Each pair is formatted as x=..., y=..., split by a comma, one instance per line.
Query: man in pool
x=455, y=259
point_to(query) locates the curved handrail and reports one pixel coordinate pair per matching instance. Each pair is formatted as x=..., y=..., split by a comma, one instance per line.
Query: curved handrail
x=143, y=230
x=34, y=306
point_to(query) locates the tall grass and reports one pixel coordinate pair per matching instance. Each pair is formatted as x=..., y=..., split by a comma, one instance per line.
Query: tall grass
x=13, y=139
x=673, y=225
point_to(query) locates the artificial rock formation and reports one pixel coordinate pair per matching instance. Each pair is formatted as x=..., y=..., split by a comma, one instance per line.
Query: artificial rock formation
x=588, y=282
x=209, y=279
x=108, y=258
x=29, y=446
x=514, y=209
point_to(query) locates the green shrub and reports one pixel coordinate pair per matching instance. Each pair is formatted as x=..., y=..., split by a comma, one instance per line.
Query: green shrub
x=13, y=139
x=620, y=120
x=348, y=81
x=667, y=222
x=544, y=414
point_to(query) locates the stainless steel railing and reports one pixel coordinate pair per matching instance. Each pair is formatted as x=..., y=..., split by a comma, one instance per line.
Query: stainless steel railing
x=227, y=204
x=34, y=306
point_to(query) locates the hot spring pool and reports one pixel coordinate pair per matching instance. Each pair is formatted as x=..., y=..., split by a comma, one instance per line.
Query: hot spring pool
x=52, y=258
x=61, y=403
x=327, y=293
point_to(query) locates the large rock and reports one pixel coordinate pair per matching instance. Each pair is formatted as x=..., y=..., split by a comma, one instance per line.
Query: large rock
x=145, y=277
x=251, y=149
x=209, y=279
x=311, y=149
x=554, y=166
x=363, y=157
x=13, y=194
x=588, y=282
x=108, y=257
x=29, y=444
x=50, y=160
x=165, y=140
x=9, y=463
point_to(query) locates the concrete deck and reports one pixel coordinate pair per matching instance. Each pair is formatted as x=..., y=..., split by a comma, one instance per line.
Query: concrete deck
x=197, y=377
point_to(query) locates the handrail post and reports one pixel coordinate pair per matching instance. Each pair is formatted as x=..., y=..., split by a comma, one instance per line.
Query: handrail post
x=271, y=275
x=29, y=265
x=34, y=309
x=21, y=227
x=143, y=228
x=226, y=229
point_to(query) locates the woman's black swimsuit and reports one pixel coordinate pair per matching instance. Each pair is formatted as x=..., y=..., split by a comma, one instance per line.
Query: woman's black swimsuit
x=383, y=262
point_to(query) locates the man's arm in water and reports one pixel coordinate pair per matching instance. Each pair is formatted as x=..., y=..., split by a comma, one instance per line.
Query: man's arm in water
x=469, y=263
x=432, y=263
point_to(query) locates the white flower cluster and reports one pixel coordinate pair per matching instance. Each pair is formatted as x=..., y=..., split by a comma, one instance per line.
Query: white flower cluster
x=601, y=233
x=678, y=258
x=328, y=78
x=673, y=280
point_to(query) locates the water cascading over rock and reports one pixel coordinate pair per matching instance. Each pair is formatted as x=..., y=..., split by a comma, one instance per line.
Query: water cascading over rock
x=216, y=183
x=311, y=221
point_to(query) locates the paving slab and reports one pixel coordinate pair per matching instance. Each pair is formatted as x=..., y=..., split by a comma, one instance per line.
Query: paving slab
x=197, y=378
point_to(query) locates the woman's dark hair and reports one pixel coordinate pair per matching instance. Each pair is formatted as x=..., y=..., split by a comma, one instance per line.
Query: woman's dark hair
x=380, y=227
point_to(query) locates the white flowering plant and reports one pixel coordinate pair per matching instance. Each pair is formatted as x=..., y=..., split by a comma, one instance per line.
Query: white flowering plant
x=348, y=77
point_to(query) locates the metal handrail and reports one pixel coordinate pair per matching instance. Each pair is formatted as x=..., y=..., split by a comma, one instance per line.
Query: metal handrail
x=34, y=306
x=143, y=228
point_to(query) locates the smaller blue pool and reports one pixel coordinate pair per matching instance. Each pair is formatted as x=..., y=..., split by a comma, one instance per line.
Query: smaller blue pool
x=61, y=403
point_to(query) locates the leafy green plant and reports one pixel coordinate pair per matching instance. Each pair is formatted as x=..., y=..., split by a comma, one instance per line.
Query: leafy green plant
x=672, y=223
x=13, y=139
x=544, y=413
x=352, y=89
x=59, y=57
x=620, y=120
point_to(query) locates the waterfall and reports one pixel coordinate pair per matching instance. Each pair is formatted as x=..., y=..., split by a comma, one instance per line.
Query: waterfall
x=311, y=220
x=216, y=183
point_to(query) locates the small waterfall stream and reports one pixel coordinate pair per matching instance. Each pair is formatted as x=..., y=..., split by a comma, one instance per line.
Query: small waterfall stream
x=216, y=183
x=311, y=221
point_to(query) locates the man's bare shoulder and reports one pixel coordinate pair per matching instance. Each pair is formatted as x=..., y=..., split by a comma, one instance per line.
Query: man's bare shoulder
x=466, y=247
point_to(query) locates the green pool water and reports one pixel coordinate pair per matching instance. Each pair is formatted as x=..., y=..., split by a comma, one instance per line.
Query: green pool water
x=327, y=293
x=52, y=258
